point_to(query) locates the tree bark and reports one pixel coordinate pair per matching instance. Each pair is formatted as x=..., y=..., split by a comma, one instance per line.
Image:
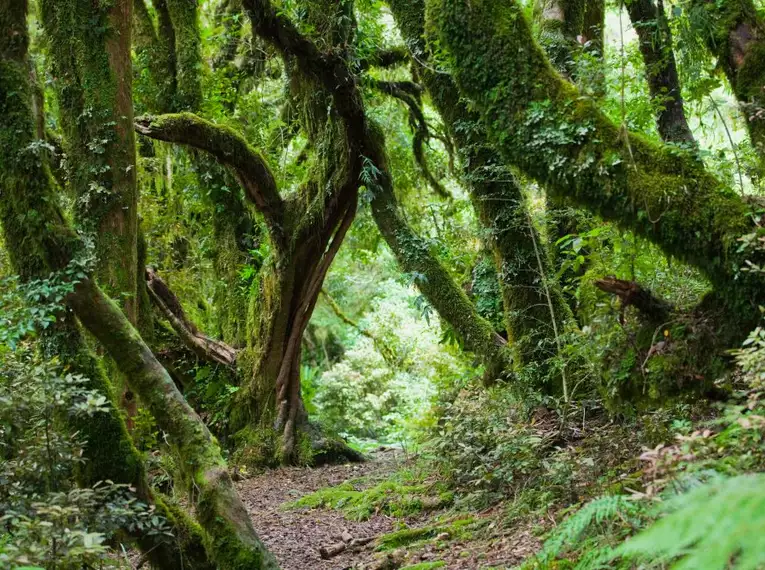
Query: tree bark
x=500, y=204
x=655, y=41
x=45, y=242
x=660, y=193
x=736, y=37
x=92, y=64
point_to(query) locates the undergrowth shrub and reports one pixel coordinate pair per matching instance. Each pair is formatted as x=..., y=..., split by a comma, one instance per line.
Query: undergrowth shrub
x=46, y=520
x=367, y=395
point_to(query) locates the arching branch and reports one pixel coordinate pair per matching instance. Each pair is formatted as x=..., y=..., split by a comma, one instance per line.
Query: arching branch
x=228, y=147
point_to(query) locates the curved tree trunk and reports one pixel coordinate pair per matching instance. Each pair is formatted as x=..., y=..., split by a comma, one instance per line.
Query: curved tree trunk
x=501, y=207
x=657, y=192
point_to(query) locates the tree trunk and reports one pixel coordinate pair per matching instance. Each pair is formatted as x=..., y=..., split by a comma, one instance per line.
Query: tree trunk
x=657, y=192
x=501, y=207
x=736, y=37
x=90, y=53
x=45, y=242
x=655, y=40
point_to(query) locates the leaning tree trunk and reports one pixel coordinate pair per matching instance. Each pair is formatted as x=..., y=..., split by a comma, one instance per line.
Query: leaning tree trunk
x=533, y=305
x=660, y=194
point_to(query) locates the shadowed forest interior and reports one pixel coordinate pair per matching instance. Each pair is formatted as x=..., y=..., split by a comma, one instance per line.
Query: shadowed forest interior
x=382, y=284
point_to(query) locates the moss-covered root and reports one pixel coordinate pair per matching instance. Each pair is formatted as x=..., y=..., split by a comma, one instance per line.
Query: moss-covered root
x=658, y=192
x=233, y=542
x=452, y=304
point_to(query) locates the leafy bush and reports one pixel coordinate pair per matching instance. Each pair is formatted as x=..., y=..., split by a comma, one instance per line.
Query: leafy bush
x=484, y=443
x=367, y=395
x=45, y=518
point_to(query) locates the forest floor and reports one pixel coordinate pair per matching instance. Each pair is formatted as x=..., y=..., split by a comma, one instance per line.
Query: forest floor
x=296, y=535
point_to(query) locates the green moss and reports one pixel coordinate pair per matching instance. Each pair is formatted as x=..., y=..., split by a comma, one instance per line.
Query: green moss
x=188, y=54
x=90, y=51
x=426, y=565
x=459, y=529
x=542, y=126
x=390, y=497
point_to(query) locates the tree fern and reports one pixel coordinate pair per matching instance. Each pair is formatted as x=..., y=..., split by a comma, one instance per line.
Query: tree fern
x=718, y=526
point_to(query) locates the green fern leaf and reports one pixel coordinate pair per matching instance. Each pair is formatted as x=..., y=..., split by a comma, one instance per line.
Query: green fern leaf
x=718, y=526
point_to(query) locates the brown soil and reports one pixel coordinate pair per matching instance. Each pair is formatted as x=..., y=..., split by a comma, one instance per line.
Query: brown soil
x=296, y=535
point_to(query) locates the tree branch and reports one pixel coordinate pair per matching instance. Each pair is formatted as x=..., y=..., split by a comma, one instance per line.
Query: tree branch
x=206, y=348
x=409, y=93
x=384, y=350
x=385, y=58
x=228, y=147
x=633, y=295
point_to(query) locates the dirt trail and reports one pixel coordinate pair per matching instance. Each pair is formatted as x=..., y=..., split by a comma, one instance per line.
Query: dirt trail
x=295, y=536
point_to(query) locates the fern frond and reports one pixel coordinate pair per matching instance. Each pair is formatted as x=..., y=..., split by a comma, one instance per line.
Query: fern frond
x=718, y=526
x=572, y=530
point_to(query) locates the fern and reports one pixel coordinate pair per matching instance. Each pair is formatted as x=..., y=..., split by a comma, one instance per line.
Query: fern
x=718, y=526
x=573, y=529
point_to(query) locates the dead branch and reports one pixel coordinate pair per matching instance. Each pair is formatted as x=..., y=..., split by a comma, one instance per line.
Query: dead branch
x=632, y=294
x=352, y=544
x=206, y=348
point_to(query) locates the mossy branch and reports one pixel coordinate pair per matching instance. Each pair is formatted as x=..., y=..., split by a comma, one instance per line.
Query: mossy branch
x=228, y=147
x=498, y=199
x=658, y=192
x=385, y=58
x=736, y=37
x=384, y=350
x=409, y=93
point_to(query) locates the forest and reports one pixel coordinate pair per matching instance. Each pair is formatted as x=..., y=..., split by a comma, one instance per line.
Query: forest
x=382, y=284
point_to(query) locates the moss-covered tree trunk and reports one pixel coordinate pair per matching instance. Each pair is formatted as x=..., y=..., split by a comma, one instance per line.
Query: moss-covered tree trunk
x=655, y=40
x=660, y=193
x=533, y=304
x=41, y=243
x=90, y=53
x=735, y=34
